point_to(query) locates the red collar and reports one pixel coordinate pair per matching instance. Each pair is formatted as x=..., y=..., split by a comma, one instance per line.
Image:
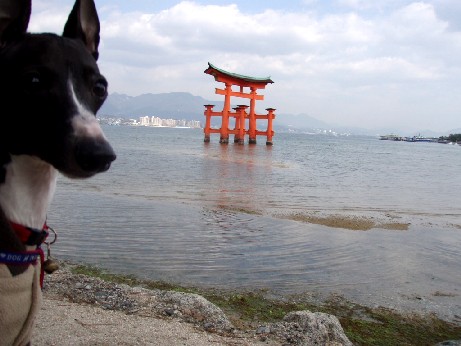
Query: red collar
x=30, y=236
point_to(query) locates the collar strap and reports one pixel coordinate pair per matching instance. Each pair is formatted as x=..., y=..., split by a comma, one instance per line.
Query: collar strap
x=25, y=258
x=29, y=235
x=19, y=258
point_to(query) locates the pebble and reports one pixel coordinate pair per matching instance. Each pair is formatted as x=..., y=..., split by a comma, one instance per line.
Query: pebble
x=263, y=330
x=208, y=326
x=169, y=312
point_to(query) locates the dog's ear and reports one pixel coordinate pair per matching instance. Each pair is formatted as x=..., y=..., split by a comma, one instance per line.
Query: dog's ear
x=14, y=19
x=83, y=24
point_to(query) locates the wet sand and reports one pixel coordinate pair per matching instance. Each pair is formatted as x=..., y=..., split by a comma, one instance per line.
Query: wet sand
x=354, y=223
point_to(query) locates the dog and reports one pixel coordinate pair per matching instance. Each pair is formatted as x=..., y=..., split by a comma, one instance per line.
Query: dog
x=50, y=91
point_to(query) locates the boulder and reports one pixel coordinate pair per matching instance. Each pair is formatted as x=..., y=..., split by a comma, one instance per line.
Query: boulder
x=311, y=328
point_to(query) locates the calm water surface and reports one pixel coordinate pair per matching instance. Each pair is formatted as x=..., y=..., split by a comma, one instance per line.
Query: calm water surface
x=174, y=208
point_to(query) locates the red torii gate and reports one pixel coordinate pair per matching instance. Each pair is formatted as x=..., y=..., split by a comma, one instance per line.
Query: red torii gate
x=240, y=114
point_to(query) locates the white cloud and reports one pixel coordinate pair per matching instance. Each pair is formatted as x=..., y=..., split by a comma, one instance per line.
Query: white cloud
x=326, y=64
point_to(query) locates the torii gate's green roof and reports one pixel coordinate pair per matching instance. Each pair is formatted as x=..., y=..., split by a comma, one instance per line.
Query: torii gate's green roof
x=239, y=76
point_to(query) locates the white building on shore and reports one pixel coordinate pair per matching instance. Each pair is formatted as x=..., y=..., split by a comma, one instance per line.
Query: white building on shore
x=159, y=122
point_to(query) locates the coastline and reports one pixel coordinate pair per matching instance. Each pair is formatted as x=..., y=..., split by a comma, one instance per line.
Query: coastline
x=81, y=309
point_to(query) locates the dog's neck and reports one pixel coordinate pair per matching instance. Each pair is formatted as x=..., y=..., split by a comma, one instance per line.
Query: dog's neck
x=27, y=191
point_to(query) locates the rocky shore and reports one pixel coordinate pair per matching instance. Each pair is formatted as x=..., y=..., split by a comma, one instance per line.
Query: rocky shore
x=82, y=310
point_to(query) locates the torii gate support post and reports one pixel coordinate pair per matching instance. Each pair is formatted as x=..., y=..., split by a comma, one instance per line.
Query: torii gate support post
x=206, y=130
x=225, y=116
x=240, y=124
x=237, y=124
x=270, y=132
x=252, y=124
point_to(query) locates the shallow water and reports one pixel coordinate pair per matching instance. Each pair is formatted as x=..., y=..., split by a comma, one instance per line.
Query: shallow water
x=173, y=208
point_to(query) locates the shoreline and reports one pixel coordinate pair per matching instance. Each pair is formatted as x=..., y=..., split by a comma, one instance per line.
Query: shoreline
x=255, y=320
x=80, y=309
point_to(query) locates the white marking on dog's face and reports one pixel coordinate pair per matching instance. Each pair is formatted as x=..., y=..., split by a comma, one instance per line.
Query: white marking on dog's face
x=28, y=189
x=84, y=123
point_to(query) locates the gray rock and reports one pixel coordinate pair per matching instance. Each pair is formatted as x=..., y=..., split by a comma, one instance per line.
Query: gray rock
x=188, y=307
x=208, y=326
x=449, y=343
x=263, y=330
x=311, y=328
x=169, y=312
x=196, y=308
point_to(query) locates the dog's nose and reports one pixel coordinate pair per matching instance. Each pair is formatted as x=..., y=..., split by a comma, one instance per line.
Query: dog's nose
x=94, y=155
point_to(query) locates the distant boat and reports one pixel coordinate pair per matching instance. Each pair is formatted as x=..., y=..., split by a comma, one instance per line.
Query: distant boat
x=390, y=138
x=422, y=139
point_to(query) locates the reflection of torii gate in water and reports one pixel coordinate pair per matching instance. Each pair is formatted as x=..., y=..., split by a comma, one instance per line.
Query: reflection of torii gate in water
x=240, y=115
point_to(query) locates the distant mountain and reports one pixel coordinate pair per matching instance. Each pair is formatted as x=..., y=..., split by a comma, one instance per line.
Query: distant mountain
x=175, y=105
x=184, y=105
x=301, y=121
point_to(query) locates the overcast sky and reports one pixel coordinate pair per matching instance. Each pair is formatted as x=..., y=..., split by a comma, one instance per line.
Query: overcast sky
x=372, y=64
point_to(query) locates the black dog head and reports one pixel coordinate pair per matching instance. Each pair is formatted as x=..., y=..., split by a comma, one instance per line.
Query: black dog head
x=51, y=89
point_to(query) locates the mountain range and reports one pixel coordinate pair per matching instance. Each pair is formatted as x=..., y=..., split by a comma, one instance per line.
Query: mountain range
x=184, y=105
x=176, y=105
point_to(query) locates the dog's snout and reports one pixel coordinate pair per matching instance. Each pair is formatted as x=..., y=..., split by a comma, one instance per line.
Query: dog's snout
x=94, y=156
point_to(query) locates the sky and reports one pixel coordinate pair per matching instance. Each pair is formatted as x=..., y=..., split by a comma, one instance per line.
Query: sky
x=369, y=64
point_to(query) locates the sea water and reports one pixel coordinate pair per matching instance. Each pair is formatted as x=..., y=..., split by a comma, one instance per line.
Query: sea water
x=177, y=209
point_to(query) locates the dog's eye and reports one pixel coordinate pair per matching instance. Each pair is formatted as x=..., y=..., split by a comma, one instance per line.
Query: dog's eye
x=100, y=88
